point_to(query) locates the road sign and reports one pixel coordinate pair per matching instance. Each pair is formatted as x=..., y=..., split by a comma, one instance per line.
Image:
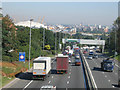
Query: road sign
x=22, y=56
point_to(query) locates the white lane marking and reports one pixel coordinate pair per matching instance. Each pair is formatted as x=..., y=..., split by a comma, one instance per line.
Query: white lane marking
x=116, y=73
x=28, y=84
x=70, y=69
x=52, y=76
x=89, y=71
x=113, y=86
x=67, y=82
x=103, y=72
x=68, y=76
x=49, y=82
x=108, y=80
x=116, y=65
x=105, y=76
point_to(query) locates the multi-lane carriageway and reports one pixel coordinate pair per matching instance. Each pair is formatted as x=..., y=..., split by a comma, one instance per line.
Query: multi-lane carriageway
x=74, y=79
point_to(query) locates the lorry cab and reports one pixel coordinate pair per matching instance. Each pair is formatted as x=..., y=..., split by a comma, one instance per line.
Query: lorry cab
x=107, y=65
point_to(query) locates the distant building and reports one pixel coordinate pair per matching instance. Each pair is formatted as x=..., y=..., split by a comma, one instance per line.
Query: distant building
x=33, y=24
x=99, y=26
x=106, y=29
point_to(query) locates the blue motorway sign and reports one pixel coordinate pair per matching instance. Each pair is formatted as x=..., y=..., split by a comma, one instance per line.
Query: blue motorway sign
x=22, y=56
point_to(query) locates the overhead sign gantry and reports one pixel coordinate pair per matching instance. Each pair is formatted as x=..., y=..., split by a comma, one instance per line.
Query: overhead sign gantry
x=86, y=42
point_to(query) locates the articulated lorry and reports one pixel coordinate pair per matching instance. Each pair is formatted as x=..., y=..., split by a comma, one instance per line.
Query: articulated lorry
x=62, y=63
x=41, y=67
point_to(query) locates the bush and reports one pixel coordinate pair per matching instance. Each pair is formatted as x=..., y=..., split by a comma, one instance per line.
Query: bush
x=5, y=58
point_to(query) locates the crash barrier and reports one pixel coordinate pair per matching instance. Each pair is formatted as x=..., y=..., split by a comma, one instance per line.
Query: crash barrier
x=90, y=82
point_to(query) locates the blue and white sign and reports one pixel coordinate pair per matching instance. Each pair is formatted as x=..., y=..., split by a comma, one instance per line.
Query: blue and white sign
x=22, y=56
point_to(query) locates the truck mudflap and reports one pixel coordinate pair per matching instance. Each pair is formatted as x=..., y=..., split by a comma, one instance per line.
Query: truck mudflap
x=41, y=77
x=61, y=71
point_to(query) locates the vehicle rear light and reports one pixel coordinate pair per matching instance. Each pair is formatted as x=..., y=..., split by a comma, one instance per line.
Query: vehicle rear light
x=34, y=72
x=34, y=76
x=43, y=73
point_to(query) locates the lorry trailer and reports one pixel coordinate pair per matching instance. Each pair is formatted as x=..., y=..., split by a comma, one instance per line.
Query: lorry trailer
x=41, y=67
x=62, y=63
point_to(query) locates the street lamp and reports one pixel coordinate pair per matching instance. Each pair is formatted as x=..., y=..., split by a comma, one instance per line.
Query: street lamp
x=30, y=43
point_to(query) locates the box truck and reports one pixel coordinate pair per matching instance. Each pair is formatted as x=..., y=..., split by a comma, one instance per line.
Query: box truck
x=62, y=63
x=41, y=67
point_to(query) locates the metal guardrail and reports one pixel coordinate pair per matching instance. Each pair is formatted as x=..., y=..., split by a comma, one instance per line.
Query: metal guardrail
x=90, y=82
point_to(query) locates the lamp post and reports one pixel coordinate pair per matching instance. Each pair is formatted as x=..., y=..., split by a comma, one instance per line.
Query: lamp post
x=30, y=43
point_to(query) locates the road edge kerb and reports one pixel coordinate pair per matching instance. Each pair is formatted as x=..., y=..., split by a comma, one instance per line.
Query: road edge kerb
x=89, y=71
x=7, y=85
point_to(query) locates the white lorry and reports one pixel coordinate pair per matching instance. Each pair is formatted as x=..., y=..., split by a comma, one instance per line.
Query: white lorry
x=41, y=67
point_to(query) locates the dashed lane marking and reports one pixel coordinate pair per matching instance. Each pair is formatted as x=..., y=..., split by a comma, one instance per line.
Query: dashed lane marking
x=68, y=82
x=49, y=82
x=105, y=76
x=113, y=86
x=68, y=76
x=108, y=80
x=52, y=76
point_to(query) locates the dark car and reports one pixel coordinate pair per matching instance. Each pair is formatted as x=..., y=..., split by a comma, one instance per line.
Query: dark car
x=77, y=62
x=95, y=56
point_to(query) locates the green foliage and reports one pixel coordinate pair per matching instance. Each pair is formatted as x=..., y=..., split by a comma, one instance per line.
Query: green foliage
x=16, y=38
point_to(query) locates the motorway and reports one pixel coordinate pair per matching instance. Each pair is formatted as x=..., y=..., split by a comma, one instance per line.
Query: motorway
x=103, y=79
x=73, y=79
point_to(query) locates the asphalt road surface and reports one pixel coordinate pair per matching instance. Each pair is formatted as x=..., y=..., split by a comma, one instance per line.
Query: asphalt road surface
x=103, y=79
x=73, y=79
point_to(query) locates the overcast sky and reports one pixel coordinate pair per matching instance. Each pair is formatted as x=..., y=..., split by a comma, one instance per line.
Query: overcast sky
x=103, y=13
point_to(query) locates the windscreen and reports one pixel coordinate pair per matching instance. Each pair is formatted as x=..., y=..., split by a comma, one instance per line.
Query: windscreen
x=39, y=65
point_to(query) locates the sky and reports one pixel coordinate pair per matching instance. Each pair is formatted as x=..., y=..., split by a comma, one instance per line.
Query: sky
x=103, y=13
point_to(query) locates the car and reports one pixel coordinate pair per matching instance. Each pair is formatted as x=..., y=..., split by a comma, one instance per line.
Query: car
x=90, y=57
x=69, y=60
x=77, y=56
x=95, y=56
x=48, y=87
x=84, y=52
x=91, y=53
x=77, y=62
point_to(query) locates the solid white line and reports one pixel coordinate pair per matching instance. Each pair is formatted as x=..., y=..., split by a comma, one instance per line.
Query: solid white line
x=28, y=84
x=52, y=76
x=90, y=71
x=116, y=65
